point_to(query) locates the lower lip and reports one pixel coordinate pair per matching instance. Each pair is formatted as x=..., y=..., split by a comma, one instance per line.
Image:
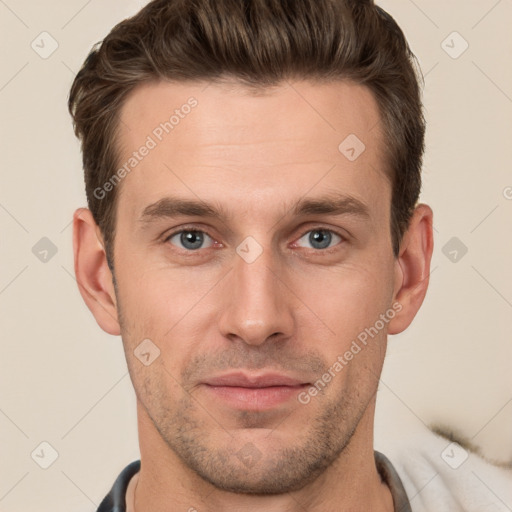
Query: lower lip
x=255, y=398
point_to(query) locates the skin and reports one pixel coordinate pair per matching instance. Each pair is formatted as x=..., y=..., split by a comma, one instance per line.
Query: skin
x=293, y=310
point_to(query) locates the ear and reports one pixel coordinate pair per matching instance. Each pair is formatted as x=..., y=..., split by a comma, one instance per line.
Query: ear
x=93, y=276
x=412, y=268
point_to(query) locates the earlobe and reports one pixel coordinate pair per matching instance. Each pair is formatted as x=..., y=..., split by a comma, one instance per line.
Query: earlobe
x=93, y=276
x=412, y=268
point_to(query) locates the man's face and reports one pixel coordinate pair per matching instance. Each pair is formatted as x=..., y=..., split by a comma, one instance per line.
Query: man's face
x=251, y=307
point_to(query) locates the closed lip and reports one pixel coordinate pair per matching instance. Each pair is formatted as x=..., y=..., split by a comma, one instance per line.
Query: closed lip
x=247, y=380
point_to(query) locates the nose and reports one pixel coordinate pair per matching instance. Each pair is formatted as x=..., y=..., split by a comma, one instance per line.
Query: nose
x=257, y=302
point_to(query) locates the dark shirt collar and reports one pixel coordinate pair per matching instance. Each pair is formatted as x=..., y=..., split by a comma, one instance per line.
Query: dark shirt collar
x=115, y=501
x=389, y=476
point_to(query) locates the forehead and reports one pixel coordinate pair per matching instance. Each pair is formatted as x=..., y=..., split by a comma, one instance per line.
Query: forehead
x=302, y=107
x=206, y=139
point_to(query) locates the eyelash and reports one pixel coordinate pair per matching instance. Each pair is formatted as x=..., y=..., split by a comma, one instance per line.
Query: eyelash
x=185, y=229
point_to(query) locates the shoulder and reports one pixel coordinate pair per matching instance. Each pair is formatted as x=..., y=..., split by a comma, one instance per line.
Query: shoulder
x=441, y=475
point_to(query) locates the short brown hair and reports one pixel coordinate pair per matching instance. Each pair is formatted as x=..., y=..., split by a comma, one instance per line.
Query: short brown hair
x=259, y=43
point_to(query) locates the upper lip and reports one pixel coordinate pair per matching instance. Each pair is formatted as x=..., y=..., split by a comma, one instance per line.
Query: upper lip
x=245, y=380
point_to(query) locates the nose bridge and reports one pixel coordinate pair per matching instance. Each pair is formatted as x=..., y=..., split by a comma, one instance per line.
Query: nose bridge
x=257, y=303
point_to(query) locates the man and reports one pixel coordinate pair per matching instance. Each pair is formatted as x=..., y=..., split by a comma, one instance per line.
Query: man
x=252, y=171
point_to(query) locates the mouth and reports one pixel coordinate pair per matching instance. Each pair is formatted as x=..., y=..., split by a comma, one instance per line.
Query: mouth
x=253, y=392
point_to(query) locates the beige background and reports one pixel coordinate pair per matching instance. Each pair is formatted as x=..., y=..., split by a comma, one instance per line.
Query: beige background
x=63, y=381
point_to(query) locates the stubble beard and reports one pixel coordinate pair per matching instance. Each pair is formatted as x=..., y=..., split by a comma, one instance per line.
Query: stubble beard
x=289, y=465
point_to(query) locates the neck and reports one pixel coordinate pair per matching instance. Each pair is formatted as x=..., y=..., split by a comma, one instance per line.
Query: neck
x=352, y=482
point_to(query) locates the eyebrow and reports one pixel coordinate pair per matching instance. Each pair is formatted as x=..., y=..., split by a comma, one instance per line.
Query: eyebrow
x=332, y=204
x=336, y=204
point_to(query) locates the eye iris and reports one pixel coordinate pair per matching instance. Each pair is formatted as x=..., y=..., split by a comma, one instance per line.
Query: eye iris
x=192, y=239
x=320, y=239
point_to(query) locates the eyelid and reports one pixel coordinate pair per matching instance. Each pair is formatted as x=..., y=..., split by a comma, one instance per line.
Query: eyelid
x=185, y=227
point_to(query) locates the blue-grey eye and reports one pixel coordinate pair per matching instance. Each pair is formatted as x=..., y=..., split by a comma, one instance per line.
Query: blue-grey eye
x=320, y=238
x=191, y=240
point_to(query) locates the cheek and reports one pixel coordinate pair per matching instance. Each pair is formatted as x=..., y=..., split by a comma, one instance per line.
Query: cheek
x=350, y=303
x=169, y=307
x=349, y=298
x=160, y=296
